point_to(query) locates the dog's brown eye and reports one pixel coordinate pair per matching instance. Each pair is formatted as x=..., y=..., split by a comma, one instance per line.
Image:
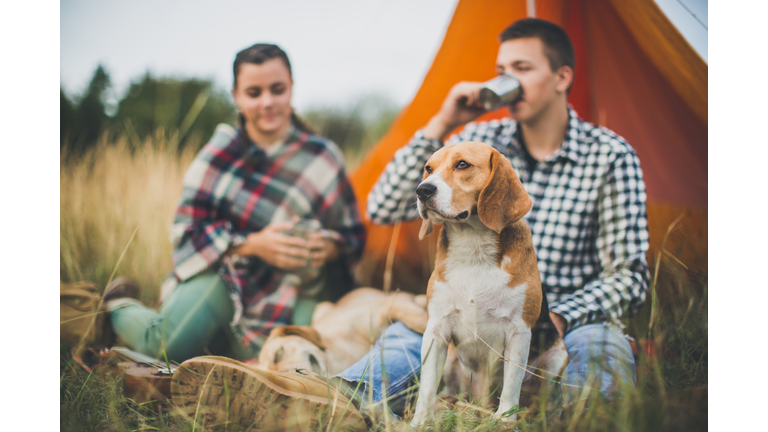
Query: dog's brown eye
x=462, y=165
x=428, y=169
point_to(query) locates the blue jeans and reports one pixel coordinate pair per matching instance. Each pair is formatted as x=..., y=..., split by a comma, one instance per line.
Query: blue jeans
x=597, y=353
x=600, y=357
x=394, y=360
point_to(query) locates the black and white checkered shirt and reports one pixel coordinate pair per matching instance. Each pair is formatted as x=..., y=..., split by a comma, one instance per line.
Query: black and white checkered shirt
x=588, y=220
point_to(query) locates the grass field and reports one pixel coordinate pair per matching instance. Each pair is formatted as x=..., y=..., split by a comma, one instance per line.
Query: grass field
x=117, y=190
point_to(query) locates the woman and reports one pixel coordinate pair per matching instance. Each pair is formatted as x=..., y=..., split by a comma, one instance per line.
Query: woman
x=237, y=274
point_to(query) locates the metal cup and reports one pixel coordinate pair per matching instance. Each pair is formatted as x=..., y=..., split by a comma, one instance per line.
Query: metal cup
x=500, y=91
x=304, y=229
x=308, y=277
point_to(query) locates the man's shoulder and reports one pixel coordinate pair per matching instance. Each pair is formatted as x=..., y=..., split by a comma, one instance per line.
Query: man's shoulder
x=599, y=140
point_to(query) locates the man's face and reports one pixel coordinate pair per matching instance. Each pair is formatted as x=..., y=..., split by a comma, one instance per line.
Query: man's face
x=525, y=60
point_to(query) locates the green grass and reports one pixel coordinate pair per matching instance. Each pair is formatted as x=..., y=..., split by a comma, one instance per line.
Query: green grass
x=116, y=189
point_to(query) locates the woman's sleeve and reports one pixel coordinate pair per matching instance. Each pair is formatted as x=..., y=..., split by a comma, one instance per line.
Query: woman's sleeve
x=198, y=235
x=340, y=214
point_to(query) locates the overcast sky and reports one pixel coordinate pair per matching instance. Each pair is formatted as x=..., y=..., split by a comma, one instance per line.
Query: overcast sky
x=339, y=49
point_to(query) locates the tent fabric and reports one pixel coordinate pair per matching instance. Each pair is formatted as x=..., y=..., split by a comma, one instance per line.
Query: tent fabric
x=685, y=70
x=635, y=74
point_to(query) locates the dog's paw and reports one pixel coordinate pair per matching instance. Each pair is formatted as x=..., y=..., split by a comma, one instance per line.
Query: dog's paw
x=509, y=415
x=506, y=419
x=510, y=418
x=416, y=425
x=419, y=419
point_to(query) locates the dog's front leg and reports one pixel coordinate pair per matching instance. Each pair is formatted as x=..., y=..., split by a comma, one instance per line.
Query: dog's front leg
x=516, y=353
x=433, y=354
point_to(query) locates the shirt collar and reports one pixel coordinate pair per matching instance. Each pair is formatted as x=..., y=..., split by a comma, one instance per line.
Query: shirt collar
x=569, y=149
x=254, y=151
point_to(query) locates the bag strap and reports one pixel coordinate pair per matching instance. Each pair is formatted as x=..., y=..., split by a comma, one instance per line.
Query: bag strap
x=86, y=286
x=80, y=296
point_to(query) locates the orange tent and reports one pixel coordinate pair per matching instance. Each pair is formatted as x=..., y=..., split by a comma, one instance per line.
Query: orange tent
x=635, y=74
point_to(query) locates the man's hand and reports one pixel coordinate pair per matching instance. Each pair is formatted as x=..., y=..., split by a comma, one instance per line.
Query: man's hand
x=461, y=106
x=276, y=248
x=559, y=322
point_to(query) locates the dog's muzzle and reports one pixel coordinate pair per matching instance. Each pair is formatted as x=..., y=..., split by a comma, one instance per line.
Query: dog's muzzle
x=426, y=191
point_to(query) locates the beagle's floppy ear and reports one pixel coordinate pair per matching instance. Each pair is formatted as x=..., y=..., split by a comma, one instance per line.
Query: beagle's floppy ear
x=503, y=200
x=305, y=332
x=426, y=228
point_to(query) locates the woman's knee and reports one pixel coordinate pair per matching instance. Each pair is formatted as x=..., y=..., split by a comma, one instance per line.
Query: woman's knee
x=198, y=311
x=204, y=294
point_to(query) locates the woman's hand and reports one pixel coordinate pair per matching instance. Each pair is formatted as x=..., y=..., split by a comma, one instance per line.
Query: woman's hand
x=287, y=252
x=323, y=249
x=276, y=248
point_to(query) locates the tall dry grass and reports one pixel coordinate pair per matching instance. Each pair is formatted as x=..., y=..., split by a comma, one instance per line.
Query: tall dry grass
x=106, y=195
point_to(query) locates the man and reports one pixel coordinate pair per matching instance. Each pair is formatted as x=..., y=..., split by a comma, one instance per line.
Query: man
x=588, y=219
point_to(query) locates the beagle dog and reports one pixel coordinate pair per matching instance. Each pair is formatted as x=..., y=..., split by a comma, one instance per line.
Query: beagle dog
x=341, y=333
x=484, y=295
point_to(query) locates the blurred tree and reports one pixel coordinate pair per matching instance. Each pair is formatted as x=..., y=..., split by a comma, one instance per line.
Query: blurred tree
x=188, y=110
x=357, y=126
x=90, y=110
x=81, y=123
x=67, y=117
x=178, y=108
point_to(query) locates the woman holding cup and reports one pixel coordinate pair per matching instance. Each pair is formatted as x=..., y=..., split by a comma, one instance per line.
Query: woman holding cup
x=266, y=219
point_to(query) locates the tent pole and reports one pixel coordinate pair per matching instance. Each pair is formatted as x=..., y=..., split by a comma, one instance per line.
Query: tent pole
x=531, y=8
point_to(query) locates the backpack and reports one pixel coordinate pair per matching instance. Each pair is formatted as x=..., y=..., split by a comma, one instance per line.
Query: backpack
x=81, y=323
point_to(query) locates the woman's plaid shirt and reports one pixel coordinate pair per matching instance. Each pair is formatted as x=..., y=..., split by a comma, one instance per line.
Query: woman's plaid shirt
x=588, y=220
x=233, y=188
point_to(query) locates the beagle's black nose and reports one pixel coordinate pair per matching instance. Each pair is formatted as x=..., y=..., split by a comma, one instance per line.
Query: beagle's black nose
x=425, y=190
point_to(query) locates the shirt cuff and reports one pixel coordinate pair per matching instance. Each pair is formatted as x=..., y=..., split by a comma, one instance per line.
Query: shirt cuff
x=237, y=240
x=428, y=143
x=573, y=318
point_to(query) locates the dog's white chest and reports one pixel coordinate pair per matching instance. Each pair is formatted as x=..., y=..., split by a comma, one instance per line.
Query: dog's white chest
x=474, y=307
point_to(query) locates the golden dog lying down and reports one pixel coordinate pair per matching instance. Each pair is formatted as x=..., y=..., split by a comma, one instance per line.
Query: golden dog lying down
x=341, y=333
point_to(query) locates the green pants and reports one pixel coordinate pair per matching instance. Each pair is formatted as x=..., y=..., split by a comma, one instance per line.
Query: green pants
x=193, y=321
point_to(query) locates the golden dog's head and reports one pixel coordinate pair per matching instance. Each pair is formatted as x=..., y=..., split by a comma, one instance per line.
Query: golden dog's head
x=470, y=178
x=292, y=347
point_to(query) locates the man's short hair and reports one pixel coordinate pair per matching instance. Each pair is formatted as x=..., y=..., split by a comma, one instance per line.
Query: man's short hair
x=557, y=45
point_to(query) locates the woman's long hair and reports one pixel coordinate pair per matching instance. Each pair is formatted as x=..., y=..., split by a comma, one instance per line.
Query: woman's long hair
x=258, y=54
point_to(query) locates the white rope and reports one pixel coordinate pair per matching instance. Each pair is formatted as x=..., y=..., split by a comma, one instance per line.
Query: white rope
x=531, y=8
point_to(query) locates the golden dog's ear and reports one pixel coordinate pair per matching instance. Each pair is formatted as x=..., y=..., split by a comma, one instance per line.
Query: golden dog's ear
x=305, y=332
x=426, y=228
x=503, y=200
